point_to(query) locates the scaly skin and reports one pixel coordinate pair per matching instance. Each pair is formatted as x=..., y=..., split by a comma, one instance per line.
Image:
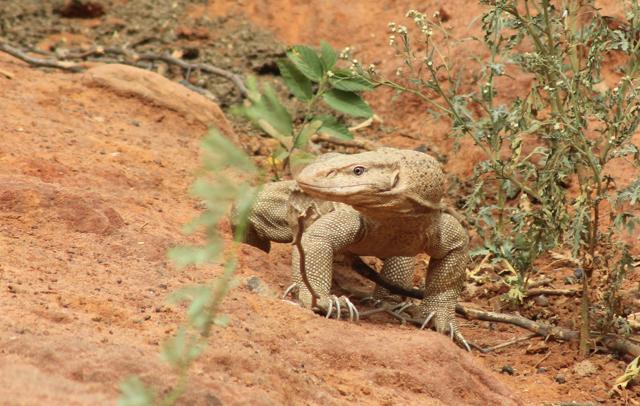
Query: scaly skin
x=387, y=205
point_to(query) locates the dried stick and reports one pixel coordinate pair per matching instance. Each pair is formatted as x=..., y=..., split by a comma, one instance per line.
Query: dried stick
x=551, y=292
x=135, y=58
x=537, y=364
x=235, y=79
x=560, y=333
x=541, y=282
x=509, y=343
x=361, y=144
x=303, y=269
x=49, y=63
x=6, y=74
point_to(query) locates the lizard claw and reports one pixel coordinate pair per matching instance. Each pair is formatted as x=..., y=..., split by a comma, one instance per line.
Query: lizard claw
x=374, y=301
x=402, y=306
x=454, y=334
x=289, y=290
x=337, y=302
x=460, y=338
x=427, y=320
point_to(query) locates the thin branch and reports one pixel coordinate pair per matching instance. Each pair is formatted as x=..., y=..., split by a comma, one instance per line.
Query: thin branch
x=551, y=292
x=6, y=74
x=48, y=63
x=355, y=143
x=303, y=269
x=508, y=343
x=537, y=364
x=543, y=330
x=134, y=59
x=235, y=79
x=612, y=342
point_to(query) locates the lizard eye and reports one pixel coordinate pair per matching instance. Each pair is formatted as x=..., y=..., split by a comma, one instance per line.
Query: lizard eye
x=358, y=170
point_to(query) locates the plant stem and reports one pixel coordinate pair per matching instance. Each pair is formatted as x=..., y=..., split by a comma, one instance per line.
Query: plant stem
x=584, y=317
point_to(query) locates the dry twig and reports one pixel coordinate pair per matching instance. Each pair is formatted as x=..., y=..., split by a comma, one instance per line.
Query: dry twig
x=355, y=143
x=131, y=58
x=551, y=292
x=6, y=74
x=48, y=63
x=303, y=269
x=508, y=343
x=612, y=342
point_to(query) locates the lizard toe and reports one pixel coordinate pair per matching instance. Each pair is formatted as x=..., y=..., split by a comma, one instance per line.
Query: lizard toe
x=334, y=306
x=290, y=290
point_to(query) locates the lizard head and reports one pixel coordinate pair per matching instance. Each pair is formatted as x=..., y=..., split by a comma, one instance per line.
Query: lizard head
x=387, y=181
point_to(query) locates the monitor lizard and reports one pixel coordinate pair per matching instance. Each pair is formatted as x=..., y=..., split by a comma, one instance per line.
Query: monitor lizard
x=383, y=203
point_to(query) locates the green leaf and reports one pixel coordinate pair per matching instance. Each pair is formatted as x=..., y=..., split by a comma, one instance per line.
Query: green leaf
x=266, y=111
x=307, y=61
x=334, y=128
x=300, y=158
x=280, y=154
x=328, y=55
x=222, y=152
x=242, y=209
x=180, y=350
x=298, y=84
x=135, y=393
x=345, y=80
x=307, y=131
x=347, y=103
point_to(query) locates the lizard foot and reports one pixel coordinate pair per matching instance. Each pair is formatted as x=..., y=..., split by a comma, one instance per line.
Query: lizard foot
x=336, y=304
x=455, y=334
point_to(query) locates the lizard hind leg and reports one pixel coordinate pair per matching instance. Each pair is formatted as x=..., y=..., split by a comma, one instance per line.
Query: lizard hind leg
x=399, y=271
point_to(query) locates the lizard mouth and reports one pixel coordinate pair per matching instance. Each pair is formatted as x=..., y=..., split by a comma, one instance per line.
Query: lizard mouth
x=339, y=190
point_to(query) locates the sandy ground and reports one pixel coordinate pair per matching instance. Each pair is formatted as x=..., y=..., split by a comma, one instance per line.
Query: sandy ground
x=93, y=190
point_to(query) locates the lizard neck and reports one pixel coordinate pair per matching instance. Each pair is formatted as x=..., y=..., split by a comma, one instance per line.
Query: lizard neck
x=389, y=216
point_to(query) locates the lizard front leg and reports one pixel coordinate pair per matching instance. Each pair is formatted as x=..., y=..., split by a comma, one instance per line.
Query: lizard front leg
x=445, y=276
x=328, y=235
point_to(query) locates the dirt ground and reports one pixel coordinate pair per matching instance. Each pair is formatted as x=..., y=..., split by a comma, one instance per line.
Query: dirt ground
x=94, y=190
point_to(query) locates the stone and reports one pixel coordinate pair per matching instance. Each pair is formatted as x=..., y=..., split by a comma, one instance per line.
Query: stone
x=157, y=89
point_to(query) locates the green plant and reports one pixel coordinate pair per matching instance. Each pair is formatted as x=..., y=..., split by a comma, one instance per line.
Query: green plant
x=545, y=178
x=311, y=77
x=219, y=186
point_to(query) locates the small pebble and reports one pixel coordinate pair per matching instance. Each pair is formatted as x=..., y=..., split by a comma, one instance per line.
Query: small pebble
x=254, y=283
x=578, y=273
x=542, y=370
x=541, y=301
x=507, y=369
x=560, y=378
